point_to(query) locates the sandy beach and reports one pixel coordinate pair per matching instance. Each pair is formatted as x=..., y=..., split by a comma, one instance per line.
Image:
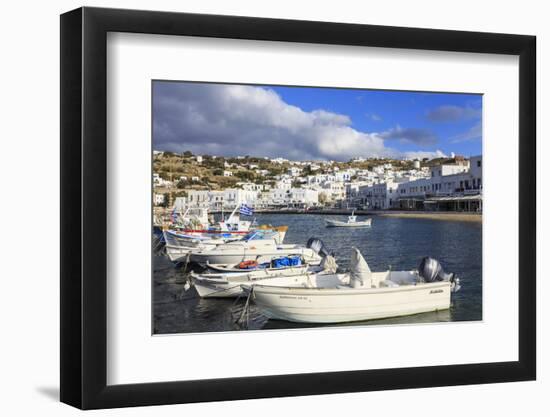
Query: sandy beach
x=449, y=216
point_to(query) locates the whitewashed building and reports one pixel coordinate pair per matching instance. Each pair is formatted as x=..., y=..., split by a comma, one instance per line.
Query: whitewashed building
x=180, y=204
x=291, y=197
x=198, y=198
x=158, y=199
x=449, y=187
x=294, y=171
x=303, y=197
x=343, y=176
x=234, y=197
x=379, y=196
x=227, y=199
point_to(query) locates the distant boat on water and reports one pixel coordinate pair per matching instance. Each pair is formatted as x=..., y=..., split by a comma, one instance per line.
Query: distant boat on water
x=351, y=222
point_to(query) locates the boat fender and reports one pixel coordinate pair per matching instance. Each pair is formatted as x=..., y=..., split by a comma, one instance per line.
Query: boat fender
x=247, y=264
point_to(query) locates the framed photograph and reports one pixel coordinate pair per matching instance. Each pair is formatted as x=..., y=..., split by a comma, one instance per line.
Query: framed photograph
x=258, y=208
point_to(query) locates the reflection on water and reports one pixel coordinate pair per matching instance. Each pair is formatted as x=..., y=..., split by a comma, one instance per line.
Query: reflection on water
x=395, y=242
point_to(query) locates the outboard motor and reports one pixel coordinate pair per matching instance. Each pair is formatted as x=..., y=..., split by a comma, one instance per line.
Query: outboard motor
x=318, y=247
x=430, y=270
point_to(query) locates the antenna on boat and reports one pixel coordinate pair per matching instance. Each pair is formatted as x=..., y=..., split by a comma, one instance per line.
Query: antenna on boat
x=233, y=212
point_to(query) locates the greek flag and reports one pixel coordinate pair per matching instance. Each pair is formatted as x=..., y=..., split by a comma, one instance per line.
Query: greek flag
x=245, y=210
x=174, y=215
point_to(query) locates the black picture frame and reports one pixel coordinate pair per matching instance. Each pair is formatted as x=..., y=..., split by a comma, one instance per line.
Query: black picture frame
x=84, y=207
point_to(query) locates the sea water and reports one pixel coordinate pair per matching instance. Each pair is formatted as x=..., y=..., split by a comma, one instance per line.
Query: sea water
x=396, y=243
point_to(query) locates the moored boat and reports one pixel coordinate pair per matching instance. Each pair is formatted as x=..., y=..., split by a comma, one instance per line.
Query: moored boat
x=179, y=246
x=260, y=246
x=359, y=295
x=233, y=284
x=351, y=222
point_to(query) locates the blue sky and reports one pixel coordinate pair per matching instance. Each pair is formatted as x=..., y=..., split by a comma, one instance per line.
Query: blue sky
x=378, y=110
x=313, y=123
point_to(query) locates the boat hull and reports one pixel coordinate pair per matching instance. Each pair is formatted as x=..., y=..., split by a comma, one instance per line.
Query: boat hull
x=195, y=240
x=230, y=285
x=337, y=223
x=177, y=253
x=340, y=305
x=205, y=257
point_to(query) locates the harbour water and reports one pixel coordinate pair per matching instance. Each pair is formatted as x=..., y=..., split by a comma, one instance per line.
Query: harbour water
x=397, y=242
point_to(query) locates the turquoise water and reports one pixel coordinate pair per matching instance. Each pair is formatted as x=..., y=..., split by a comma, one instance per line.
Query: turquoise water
x=400, y=243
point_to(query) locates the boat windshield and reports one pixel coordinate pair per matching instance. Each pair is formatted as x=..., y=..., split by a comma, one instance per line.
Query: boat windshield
x=259, y=235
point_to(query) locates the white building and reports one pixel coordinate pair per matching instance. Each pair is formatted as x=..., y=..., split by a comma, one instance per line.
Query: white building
x=294, y=171
x=234, y=197
x=251, y=186
x=334, y=191
x=227, y=199
x=378, y=196
x=284, y=183
x=303, y=197
x=227, y=174
x=449, y=187
x=278, y=197
x=158, y=181
x=180, y=204
x=198, y=198
x=343, y=176
x=292, y=197
x=158, y=199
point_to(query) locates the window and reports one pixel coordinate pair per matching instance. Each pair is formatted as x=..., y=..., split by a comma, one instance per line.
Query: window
x=479, y=163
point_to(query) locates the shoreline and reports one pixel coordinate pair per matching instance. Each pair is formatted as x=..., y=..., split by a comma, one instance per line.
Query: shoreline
x=436, y=215
x=449, y=216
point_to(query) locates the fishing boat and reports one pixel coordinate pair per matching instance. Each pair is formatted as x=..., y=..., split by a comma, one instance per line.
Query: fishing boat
x=351, y=222
x=260, y=246
x=179, y=246
x=278, y=263
x=276, y=273
x=192, y=227
x=358, y=295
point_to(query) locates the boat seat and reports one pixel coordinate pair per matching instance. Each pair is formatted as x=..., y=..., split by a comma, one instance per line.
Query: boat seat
x=388, y=283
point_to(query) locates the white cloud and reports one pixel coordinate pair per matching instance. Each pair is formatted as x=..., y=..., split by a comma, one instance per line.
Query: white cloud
x=245, y=120
x=424, y=154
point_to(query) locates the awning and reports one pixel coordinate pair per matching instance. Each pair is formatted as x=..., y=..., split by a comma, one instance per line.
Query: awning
x=434, y=200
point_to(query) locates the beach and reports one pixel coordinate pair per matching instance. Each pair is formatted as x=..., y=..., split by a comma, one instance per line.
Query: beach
x=446, y=216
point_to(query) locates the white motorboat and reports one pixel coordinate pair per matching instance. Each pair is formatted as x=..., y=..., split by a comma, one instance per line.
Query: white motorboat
x=229, y=285
x=260, y=249
x=278, y=263
x=218, y=285
x=179, y=246
x=191, y=229
x=362, y=295
x=351, y=222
